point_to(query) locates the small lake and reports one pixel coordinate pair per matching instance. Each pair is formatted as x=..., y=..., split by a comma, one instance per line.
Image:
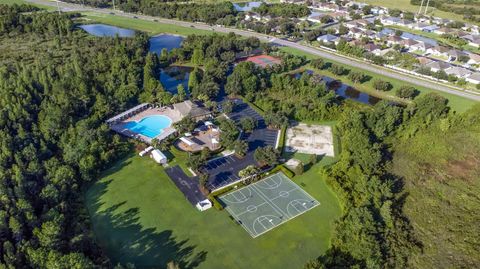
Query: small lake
x=172, y=76
x=103, y=30
x=169, y=42
x=344, y=90
x=246, y=6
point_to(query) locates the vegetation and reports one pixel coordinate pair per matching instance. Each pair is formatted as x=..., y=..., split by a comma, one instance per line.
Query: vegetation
x=57, y=90
x=136, y=211
x=266, y=156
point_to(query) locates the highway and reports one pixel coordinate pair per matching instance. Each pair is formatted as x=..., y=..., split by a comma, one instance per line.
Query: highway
x=415, y=80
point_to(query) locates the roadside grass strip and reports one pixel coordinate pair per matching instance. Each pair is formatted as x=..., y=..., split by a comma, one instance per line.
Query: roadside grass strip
x=268, y=203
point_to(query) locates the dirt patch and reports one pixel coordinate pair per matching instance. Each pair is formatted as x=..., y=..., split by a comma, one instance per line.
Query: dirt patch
x=310, y=139
x=464, y=169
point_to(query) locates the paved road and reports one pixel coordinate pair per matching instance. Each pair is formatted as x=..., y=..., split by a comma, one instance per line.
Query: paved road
x=315, y=51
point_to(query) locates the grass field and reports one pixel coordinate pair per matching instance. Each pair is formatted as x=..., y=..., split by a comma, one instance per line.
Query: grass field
x=441, y=171
x=140, y=217
x=457, y=103
x=405, y=5
x=150, y=27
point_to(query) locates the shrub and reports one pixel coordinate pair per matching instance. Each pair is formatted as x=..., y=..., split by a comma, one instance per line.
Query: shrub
x=407, y=92
x=356, y=77
x=337, y=70
x=381, y=85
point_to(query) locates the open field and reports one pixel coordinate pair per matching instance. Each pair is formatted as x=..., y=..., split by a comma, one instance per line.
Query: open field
x=150, y=27
x=19, y=2
x=405, y=5
x=441, y=171
x=139, y=216
x=457, y=103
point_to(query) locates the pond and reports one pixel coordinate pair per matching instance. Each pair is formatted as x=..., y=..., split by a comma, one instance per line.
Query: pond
x=172, y=76
x=103, y=30
x=344, y=90
x=246, y=6
x=169, y=42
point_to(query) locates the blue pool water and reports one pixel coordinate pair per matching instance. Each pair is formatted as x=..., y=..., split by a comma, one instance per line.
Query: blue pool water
x=107, y=30
x=150, y=126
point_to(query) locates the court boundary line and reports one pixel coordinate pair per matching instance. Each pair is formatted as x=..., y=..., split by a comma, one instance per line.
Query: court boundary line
x=270, y=202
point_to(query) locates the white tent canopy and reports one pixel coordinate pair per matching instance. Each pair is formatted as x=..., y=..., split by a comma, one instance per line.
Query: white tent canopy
x=158, y=156
x=187, y=141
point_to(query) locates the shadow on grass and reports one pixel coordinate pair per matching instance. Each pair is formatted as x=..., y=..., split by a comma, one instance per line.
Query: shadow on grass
x=125, y=240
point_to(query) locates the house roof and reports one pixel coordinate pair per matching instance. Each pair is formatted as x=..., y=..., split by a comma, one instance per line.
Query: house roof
x=474, y=76
x=440, y=49
x=408, y=42
x=189, y=108
x=458, y=71
x=424, y=60
x=439, y=65
x=328, y=38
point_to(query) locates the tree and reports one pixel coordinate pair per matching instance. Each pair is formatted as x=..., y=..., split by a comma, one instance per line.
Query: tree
x=248, y=124
x=356, y=77
x=185, y=125
x=227, y=107
x=381, y=85
x=198, y=57
x=229, y=132
x=249, y=173
x=181, y=93
x=266, y=156
x=318, y=63
x=337, y=70
x=276, y=120
x=407, y=92
x=240, y=147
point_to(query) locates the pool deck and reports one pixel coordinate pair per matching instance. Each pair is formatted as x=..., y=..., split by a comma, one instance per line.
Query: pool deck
x=169, y=112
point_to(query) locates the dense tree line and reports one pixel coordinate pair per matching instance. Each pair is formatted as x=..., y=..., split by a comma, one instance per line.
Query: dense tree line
x=373, y=232
x=52, y=134
x=283, y=10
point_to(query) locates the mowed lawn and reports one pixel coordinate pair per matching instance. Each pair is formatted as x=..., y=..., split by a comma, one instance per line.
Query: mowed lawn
x=457, y=103
x=140, y=217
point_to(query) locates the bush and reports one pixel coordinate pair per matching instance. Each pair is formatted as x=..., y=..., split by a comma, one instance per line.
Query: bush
x=381, y=85
x=407, y=92
x=318, y=63
x=337, y=70
x=356, y=77
x=282, y=168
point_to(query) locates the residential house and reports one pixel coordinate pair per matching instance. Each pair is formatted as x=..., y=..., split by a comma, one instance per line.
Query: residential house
x=459, y=72
x=385, y=32
x=328, y=39
x=444, y=30
x=454, y=55
x=407, y=43
x=430, y=28
x=355, y=32
x=379, y=10
x=440, y=51
x=424, y=60
x=437, y=66
x=418, y=26
x=474, y=59
x=420, y=46
x=473, y=78
x=392, y=40
x=370, y=47
x=390, y=20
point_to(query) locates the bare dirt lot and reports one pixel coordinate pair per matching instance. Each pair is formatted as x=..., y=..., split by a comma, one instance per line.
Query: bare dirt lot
x=310, y=139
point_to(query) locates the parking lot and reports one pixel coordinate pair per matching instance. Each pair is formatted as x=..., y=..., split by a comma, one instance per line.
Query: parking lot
x=224, y=170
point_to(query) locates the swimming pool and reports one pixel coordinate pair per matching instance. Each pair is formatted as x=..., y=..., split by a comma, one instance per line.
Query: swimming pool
x=150, y=126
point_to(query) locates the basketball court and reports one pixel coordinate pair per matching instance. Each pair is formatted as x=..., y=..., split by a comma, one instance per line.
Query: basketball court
x=268, y=203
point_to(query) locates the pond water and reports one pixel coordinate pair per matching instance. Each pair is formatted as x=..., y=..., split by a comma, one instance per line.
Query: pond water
x=344, y=90
x=169, y=42
x=246, y=6
x=102, y=30
x=172, y=76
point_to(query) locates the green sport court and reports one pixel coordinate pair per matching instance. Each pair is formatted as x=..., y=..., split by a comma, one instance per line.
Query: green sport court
x=268, y=203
